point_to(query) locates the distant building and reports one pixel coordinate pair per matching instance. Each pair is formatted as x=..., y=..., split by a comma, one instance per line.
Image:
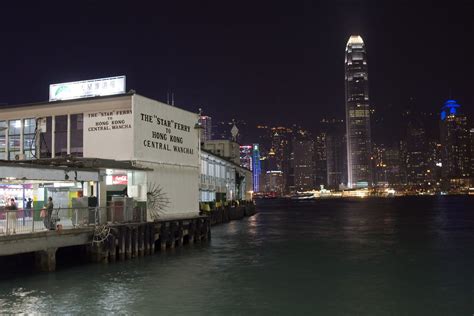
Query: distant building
x=224, y=148
x=274, y=182
x=206, y=128
x=246, y=156
x=471, y=136
x=416, y=153
x=455, y=140
x=320, y=163
x=336, y=167
x=256, y=167
x=386, y=165
x=303, y=164
x=250, y=159
x=357, y=113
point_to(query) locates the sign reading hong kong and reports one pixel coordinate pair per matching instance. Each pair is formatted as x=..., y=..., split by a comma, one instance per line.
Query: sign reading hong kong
x=87, y=88
x=165, y=133
x=108, y=134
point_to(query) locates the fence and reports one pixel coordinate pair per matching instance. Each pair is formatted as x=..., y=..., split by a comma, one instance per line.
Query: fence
x=29, y=220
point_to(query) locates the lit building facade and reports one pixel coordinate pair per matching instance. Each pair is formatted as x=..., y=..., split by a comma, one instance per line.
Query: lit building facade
x=320, y=163
x=303, y=161
x=206, y=128
x=455, y=141
x=357, y=113
x=250, y=159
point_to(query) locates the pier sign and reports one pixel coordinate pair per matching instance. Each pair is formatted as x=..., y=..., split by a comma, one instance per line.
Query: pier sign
x=108, y=134
x=164, y=133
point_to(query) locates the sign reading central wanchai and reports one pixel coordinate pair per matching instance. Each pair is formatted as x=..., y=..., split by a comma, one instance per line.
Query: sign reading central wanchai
x=87, y=88
x=164, y=133
x=108, y=134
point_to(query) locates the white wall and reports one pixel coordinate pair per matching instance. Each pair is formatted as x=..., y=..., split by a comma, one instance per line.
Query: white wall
x=166, y=141
x=109, y=134
x=179, y=185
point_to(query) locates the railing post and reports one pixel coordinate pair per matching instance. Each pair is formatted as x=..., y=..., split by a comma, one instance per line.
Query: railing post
x=33, y=221
x=6, y=220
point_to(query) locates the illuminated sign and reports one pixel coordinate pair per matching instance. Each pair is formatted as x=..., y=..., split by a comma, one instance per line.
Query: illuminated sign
x=117, y=179
x=120, y=179
x=87, y=88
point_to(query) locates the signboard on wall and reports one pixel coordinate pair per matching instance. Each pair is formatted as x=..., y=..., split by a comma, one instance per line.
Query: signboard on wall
x=87, y=88
x=164, y=133
x=108, y=134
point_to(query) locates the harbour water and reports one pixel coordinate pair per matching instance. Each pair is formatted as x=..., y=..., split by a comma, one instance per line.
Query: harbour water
x=398, y=256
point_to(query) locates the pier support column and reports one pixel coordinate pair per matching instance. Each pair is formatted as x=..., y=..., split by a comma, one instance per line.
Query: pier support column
x=152, y=239
x=45, y=260
x=141, y=240
x=121, y=243
x=128, y=242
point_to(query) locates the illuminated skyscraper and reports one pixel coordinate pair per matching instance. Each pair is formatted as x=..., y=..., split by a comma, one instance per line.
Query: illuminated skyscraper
x=357, y=114
x=250, y=159
x=206, y=124
x=455, y=151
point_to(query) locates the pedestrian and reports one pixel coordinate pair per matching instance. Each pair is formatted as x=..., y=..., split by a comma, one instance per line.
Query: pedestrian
x=11, y=216
x=29, y=207
x=48, y=213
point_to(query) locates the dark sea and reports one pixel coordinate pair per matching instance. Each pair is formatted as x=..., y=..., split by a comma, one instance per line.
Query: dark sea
x=393, y=256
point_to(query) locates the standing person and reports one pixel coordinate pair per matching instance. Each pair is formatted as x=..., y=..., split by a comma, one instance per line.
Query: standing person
x=29, y=206
x=11, y=217
x=49, y=211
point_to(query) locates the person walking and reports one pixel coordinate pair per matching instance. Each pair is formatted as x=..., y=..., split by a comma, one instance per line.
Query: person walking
x=29, y=207
x=49, y=212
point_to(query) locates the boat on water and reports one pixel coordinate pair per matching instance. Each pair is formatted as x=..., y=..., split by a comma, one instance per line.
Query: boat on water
x=303, y=196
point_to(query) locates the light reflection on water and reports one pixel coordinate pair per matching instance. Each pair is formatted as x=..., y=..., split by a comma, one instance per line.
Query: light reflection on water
x=371, y=257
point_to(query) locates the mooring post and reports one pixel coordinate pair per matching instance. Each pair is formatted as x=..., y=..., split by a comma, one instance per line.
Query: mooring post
x=45, y=260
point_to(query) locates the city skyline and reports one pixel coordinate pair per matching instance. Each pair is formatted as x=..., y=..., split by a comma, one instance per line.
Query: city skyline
x=275, y=62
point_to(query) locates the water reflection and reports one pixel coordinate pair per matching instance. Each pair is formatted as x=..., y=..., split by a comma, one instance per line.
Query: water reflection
x=376, y=256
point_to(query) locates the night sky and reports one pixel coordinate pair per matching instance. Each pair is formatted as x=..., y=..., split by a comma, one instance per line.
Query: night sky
x=262, y=61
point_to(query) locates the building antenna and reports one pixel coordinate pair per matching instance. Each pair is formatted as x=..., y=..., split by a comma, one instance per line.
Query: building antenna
x=172, y=98
x=167, y=97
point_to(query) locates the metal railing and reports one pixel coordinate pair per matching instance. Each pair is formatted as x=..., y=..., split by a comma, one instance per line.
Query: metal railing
x=30, y=221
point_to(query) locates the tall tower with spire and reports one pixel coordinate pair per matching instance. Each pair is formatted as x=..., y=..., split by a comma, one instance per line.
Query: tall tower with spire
x=357, y=114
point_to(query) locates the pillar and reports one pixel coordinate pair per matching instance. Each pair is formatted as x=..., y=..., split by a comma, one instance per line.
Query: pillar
x=45, y=260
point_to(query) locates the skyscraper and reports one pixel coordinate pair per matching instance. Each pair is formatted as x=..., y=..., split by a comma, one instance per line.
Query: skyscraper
x=455, y=141
x=357, y=114
x=250, y=159
x=206, y=124
x=303, y=163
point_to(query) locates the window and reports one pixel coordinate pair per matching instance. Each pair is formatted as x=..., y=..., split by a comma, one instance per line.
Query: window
x=29, y=139
x=3, y=139
x=77, y=135
x=60, y=136
x=14, y=130
x=45, y=139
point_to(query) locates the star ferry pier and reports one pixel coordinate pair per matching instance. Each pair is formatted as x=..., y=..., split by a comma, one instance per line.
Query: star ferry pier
x=108, y=175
